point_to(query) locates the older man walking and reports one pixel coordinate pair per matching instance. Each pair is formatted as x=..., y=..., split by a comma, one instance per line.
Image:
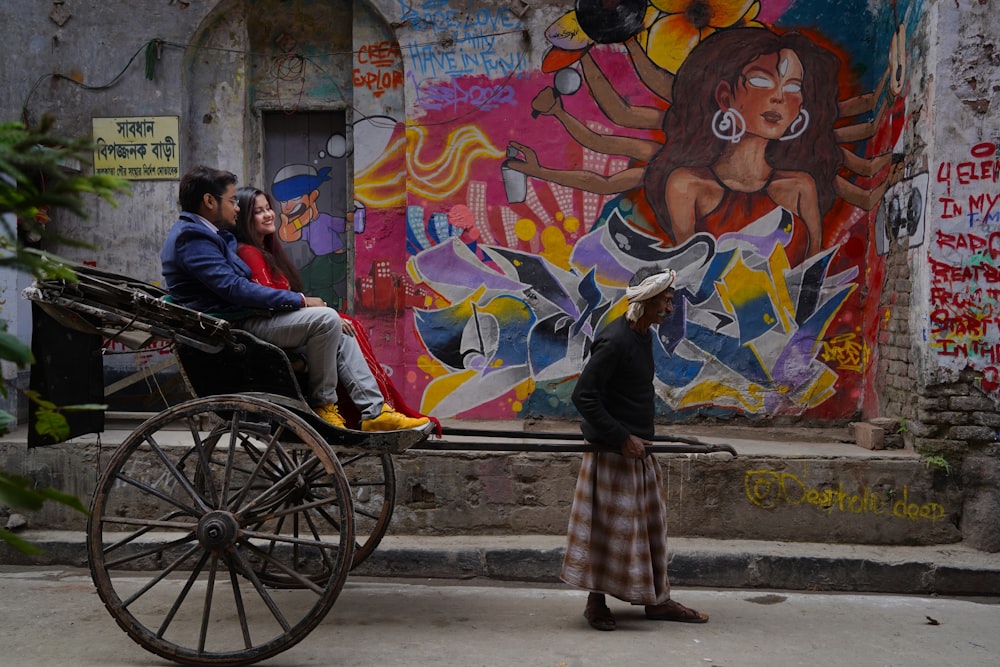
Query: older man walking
x=617, y=536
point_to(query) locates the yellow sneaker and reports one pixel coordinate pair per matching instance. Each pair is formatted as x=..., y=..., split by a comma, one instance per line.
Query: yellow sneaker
x=331, y=415
x=390, y=420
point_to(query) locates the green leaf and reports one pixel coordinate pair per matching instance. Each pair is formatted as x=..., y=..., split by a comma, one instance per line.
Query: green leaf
x=14, y=350
x=51, y=423
x=66, y=499
x=16, y=492
x=7, y=421
x=36, y=398
x=49, y=417
x=30, y=157
x=23, y=546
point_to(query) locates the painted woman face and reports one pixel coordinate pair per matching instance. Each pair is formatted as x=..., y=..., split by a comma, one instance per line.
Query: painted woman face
x=261, y=218
x=768, y=93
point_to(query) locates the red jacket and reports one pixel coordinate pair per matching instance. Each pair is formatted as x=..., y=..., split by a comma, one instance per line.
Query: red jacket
x=263, y=274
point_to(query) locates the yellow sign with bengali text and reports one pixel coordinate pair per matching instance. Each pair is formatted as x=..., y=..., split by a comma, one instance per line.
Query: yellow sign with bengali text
x=143, y=148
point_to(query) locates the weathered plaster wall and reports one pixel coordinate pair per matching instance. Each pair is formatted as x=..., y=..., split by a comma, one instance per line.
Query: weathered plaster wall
x=75, y=62
x=960, y=325
x=957, y=273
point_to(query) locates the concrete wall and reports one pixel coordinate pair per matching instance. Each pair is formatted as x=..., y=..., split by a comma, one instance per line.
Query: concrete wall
x=881, y=499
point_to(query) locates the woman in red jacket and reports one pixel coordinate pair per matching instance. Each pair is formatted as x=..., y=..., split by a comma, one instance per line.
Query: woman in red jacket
x=262, y=251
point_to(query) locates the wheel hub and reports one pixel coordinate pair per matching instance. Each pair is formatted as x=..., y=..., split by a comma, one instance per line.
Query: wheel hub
x=218, y=530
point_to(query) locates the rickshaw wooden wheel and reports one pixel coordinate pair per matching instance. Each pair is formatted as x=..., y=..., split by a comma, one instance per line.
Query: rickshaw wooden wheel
x=201, y=506
x=372, y=478
x=372, y=482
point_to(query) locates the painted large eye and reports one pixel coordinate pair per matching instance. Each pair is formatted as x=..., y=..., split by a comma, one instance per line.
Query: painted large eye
x=610, y=21
x=758, y=81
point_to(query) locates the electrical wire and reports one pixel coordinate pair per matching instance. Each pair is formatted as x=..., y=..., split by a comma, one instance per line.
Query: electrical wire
x=153, y=51
x=63, y=77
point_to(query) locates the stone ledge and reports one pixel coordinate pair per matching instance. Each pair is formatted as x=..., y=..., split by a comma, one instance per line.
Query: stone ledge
x=942, y=570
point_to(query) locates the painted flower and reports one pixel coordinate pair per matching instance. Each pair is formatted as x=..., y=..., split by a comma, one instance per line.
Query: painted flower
x=670, y=30
x=681, y=24
x=570, y=41
x=566, y=33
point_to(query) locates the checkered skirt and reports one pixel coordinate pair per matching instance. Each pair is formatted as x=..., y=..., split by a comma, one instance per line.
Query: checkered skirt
x=617, y=536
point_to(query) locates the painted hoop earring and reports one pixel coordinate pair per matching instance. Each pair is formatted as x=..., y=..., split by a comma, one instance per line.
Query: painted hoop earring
x=729, y=125
x=798, y=126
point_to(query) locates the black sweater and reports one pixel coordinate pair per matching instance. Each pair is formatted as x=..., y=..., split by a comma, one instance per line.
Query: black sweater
x=615, y=391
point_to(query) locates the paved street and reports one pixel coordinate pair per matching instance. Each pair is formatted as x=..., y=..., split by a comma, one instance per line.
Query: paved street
x=53, y=617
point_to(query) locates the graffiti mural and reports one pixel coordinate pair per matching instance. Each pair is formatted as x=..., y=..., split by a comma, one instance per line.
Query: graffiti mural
x=738, y=146
x=315, y=238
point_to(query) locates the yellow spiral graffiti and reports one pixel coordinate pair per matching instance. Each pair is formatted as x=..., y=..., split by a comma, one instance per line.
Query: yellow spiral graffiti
x=383, y=184
x=440, y=178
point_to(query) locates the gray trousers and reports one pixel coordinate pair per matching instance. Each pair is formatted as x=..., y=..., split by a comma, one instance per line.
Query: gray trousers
x=333, y=357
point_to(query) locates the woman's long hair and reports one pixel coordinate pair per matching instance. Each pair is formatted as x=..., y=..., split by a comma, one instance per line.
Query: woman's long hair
x=722, y=56
x=270, y=246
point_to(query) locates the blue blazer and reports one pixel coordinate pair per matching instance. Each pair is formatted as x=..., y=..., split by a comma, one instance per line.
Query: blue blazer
x=203, y=272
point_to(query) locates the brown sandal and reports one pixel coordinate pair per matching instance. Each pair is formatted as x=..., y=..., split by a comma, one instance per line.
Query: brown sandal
x=674, y=611
x=600, y=617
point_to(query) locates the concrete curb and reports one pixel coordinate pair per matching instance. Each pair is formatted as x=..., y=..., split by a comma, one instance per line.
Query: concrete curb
x=940, y=570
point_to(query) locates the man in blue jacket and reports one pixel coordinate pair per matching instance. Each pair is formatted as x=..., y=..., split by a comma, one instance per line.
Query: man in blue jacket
x=203, y=272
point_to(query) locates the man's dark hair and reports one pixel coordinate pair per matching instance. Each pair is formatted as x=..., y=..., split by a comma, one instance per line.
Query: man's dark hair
x=202, y=180
x=644, y=273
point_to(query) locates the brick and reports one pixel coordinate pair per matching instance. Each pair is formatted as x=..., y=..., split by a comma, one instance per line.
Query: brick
x=947, y=390
x=893, y=441
x=972, y=402
x=952, y=418
x=972, y=433
x=939, y=446
x=991, y=419
x=921, y=429
x=868, y=435
x=932, y=403
x=887, y=424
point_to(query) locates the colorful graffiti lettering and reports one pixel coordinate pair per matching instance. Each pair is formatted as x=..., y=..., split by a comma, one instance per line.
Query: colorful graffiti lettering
x=513, y=315
x=963, y=326
x=771, y=489
x=452, y=94
x=848, y=351
x=985, y=167
x=378, y=68
x=969, y=172
x=466, y=42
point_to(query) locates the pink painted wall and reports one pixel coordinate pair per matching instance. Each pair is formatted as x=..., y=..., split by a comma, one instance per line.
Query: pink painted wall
x=521, y=229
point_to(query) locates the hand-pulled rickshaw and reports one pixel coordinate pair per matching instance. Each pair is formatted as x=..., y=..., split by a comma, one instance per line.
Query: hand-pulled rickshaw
x=242, y=498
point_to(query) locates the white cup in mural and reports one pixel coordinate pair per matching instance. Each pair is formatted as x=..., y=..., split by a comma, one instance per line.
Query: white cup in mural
x=515, y=184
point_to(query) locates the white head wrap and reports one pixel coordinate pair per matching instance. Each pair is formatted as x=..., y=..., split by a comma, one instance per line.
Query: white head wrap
x=646, y=290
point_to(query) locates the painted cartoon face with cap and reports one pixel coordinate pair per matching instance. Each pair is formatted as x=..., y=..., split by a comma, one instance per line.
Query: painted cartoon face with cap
x=296, y=187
